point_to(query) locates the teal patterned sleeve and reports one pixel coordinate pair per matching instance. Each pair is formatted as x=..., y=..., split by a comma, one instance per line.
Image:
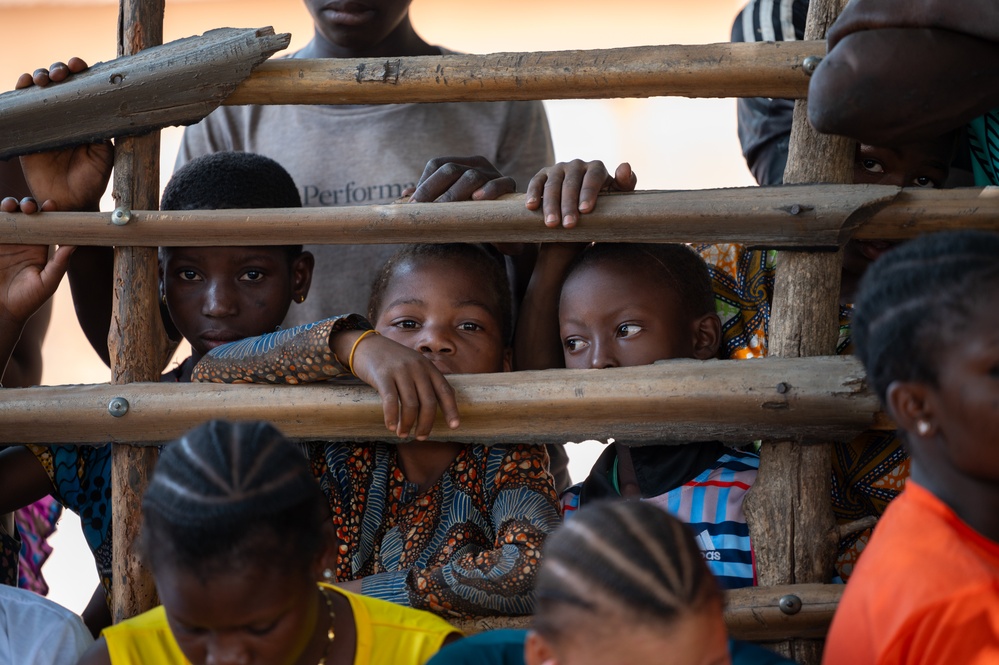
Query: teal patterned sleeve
x=297, y=355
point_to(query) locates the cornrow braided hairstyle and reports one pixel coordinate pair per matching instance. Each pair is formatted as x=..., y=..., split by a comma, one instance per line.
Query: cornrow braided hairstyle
x=228, y=180
x=673, y=266
x=621, y=556
x=916, y=299
x=230, y=494
x=484, y=260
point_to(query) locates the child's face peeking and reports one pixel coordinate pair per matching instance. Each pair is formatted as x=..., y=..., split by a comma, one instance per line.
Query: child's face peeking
x=446, y=312
x=265, y=616
x=217, y=295
x=610, y=316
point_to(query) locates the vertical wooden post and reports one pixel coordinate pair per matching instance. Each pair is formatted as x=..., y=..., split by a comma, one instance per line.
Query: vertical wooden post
x=789, y=507
x=136, y=338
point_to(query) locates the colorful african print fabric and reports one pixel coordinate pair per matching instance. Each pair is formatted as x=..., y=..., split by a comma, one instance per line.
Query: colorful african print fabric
x=468, y=546
x=983, y=139
x=81, y=478
x=36, y=523
x=869, y=471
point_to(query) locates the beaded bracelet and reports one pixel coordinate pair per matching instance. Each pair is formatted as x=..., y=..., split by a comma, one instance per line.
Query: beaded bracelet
x=350, y=359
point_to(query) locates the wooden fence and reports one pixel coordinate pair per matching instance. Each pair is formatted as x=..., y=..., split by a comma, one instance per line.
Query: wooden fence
x=794, y=402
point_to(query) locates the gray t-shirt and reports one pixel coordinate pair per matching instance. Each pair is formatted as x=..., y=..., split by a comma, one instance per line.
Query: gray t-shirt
x=362, y=155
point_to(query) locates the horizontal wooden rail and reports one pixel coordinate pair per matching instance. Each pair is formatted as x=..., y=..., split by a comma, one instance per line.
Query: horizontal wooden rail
x=751, y=614
x=800, y=216
x=683, y=400
x=174, y=84
x=711, y=70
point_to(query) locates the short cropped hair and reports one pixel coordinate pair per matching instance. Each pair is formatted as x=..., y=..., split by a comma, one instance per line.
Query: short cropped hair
x=625, y=555
x=230, y=494
x=675, y=267
x=486, y=261
x=228, y=180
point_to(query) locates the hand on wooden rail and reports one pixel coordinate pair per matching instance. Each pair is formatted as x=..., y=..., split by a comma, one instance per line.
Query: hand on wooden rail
x=447, y=179
x=568, y=189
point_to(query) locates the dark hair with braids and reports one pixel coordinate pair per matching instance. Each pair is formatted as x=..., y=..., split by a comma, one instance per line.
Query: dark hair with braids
x=485, y=261
x=625, y=556
x=230, y=494
x=675, y=267
x=226, y=180
x=917, y=299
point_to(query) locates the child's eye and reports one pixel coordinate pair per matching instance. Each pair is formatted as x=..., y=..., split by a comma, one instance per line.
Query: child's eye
x=188, y=275
x=574, y=344
x=923, y=181
x=628, y=329
x=406, y=324
x=261, y=630
x=252, y=276
x=872, y=165
x=468, y=326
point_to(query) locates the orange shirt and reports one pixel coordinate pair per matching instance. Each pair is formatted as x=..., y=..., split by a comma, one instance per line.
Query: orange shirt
x=925, y=591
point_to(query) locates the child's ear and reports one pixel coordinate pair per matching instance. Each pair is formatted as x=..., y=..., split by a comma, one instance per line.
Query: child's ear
x=910, y=404
x=537, y=650
x=508, y=359
x=301, y=275
x=329, y=554
x=706, y=332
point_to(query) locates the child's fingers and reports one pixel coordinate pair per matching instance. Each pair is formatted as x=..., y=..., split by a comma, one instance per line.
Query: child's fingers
x=495, y=188
x=76, y=65
x=594, y=180
x=427, y=411
x=625, y=179
x=57, y=266
x=390, y=407
x=8, y=204
x=535, y=189
x=28, y=205
x=24, y=81
x=447, y=400
x=58, y=71
x=40, y=77
x=552, y=198
x=409, y=408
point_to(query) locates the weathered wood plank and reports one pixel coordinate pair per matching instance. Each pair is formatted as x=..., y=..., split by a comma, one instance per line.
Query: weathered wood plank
x=759, y=216
x=136, y=334
x=788, y=508
x=175, y=84
x=712, y=70
x=751, y=614
x=728, y=400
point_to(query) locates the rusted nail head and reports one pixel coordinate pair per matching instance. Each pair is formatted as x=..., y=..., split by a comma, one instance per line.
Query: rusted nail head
x=118, y=407
x=790, y=604
x=810, y=63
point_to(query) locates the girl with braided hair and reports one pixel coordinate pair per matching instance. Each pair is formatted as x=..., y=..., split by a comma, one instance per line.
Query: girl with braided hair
x=237, y=533
x=926, y=327
x=621, y=582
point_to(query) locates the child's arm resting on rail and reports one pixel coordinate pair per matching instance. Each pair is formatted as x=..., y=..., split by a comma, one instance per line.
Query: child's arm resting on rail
x=409, y=384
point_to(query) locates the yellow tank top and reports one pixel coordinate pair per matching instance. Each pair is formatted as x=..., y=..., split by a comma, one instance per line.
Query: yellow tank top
x=386, y=633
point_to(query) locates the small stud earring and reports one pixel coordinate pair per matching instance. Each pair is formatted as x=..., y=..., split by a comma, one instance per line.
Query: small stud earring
x=328, y=575
x=163, y=298
x=923, y=427
x=300, y=298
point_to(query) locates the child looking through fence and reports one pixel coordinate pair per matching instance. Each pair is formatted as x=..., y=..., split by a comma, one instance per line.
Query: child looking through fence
x=626, y=305
x=449, y=527
x=214, y=295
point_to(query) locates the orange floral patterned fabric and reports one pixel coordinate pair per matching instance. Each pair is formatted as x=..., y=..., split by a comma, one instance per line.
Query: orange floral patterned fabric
x=468, y=546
